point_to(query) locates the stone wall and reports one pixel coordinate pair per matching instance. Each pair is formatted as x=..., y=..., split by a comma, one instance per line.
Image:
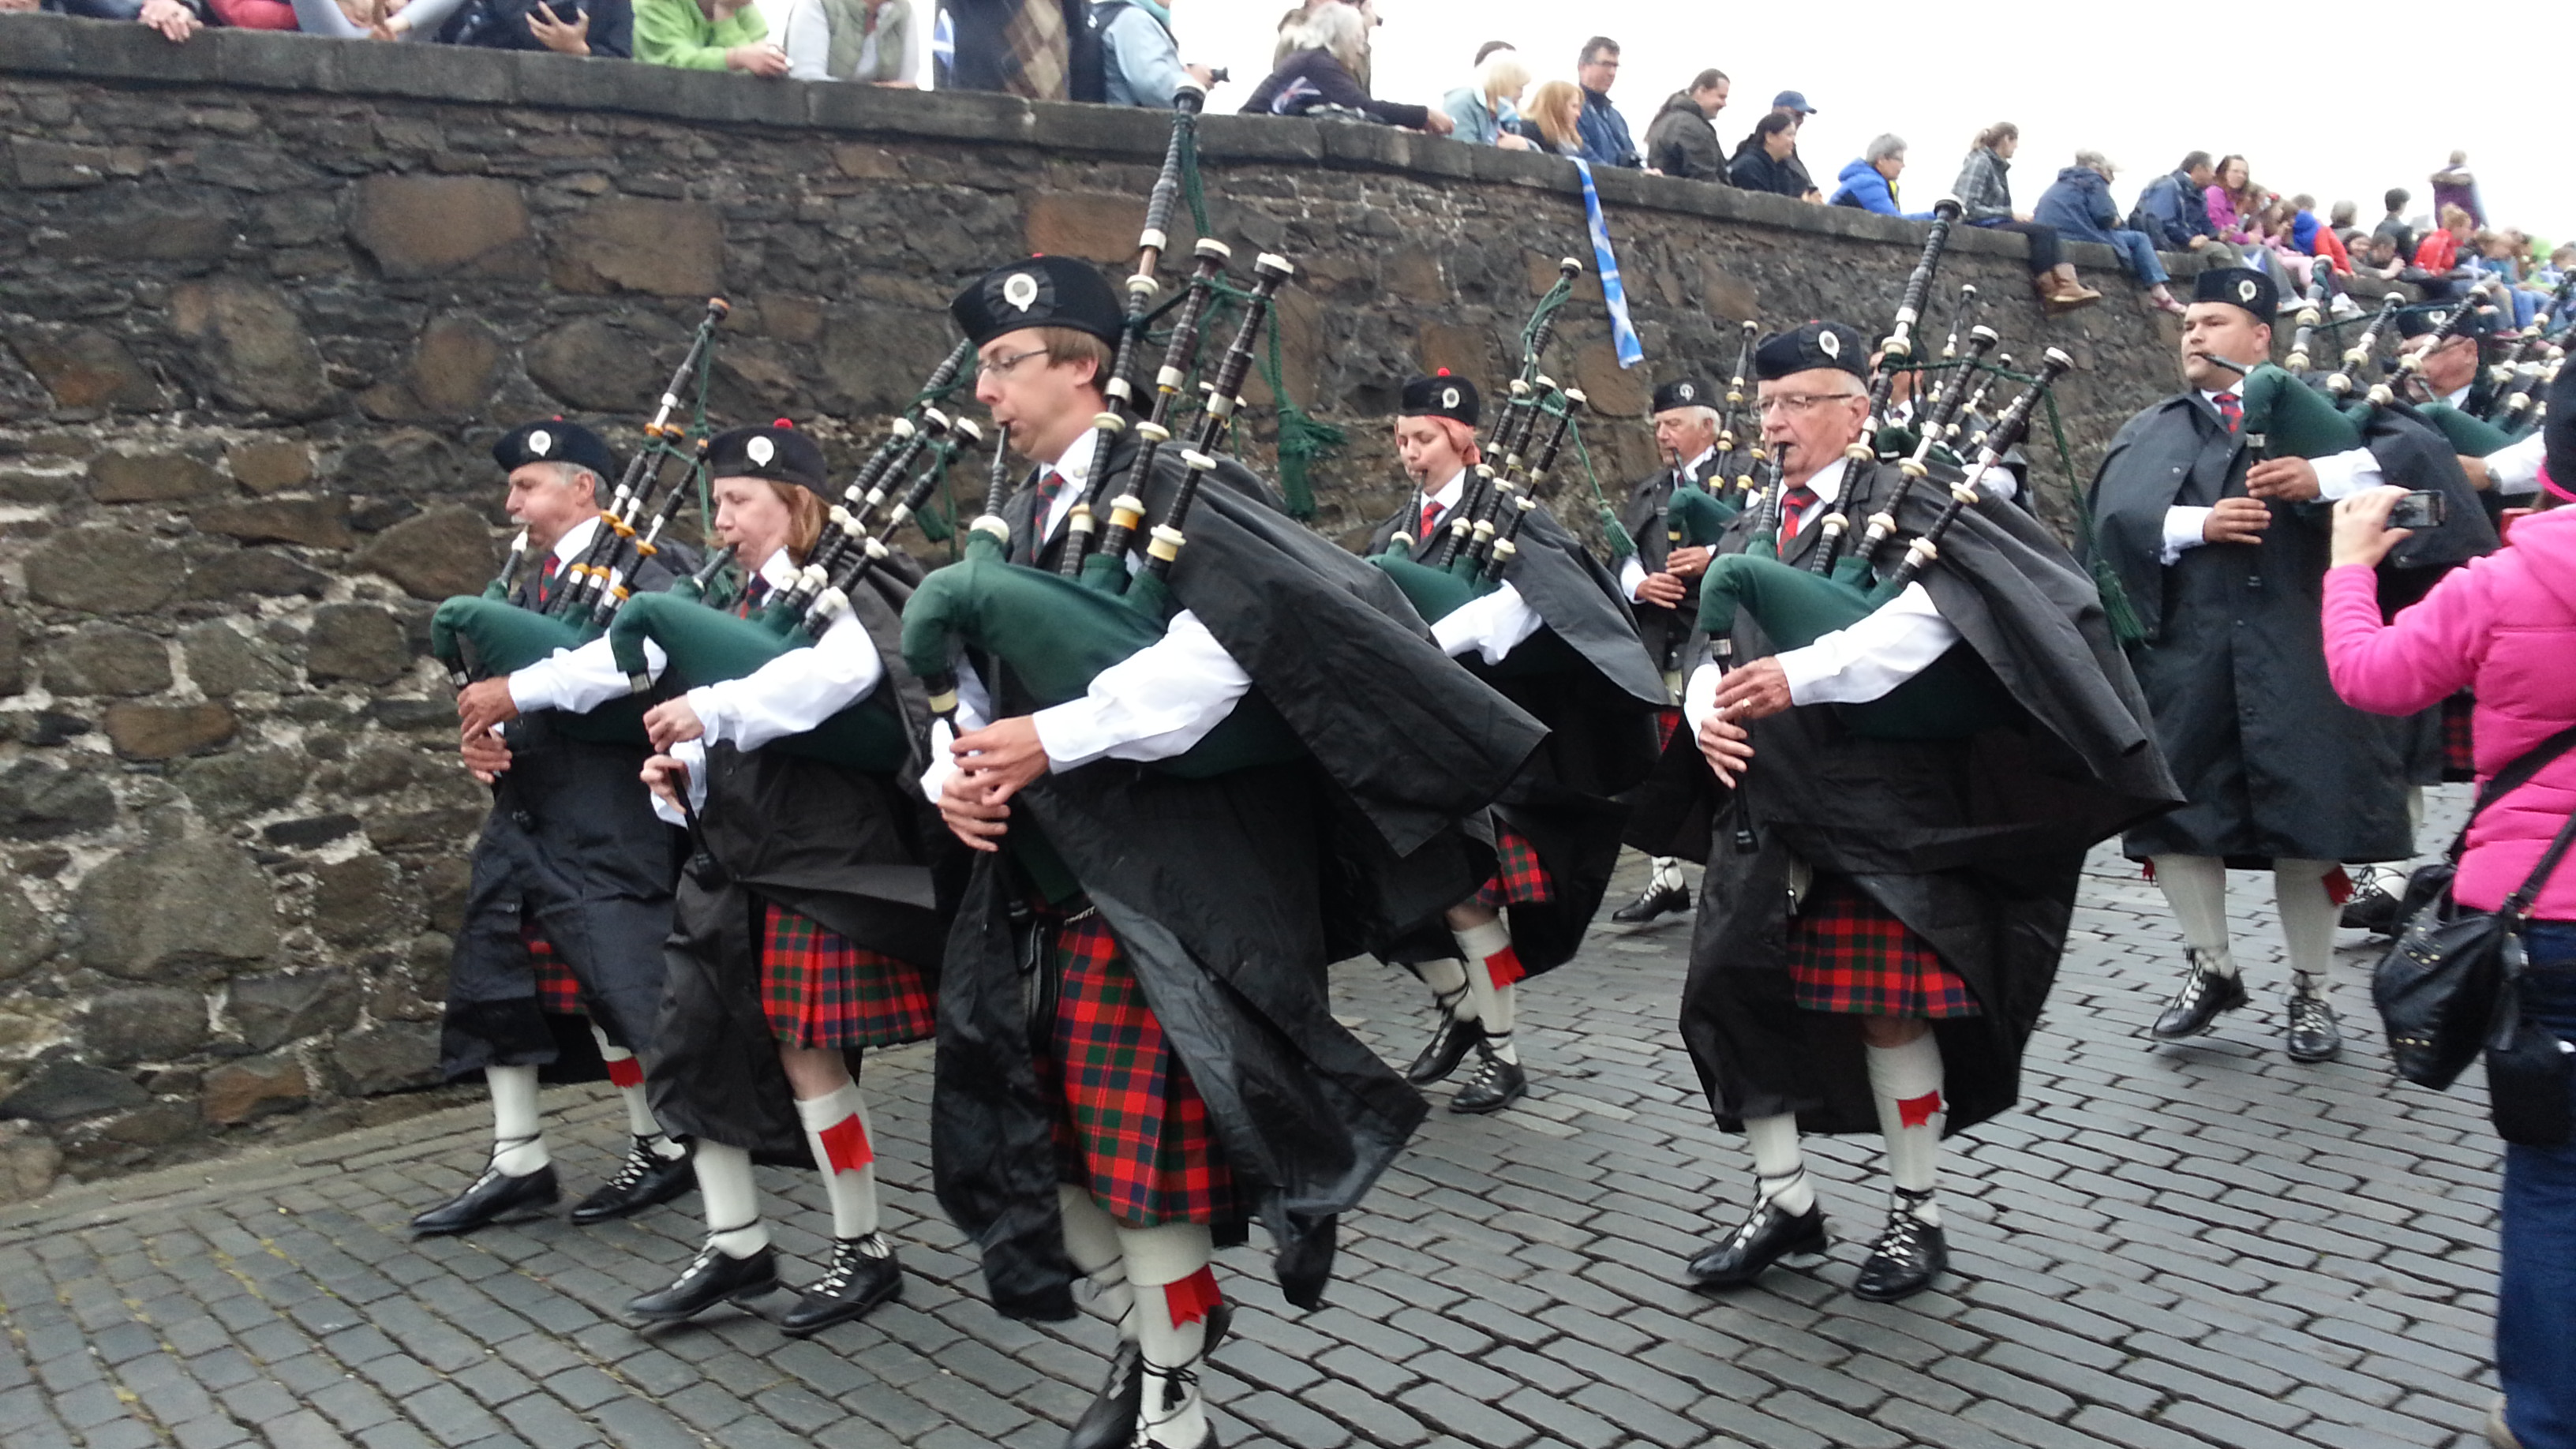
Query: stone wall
x=266, y=300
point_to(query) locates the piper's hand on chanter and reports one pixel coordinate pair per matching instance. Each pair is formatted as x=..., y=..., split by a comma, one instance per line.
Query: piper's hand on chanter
x=1661, y=589
x=1756, y=691
x=2237, y=520
x=1003, y=757
x=1726, y=746
x=487, y=759
x=666, y=777
x=1688, y=563
x=2361, y=531
x=2284, y=480
x=672, y=721
x=966, y=806
x=484, y=704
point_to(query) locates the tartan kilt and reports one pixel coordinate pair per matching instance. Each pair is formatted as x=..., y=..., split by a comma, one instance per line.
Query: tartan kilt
x=1851, y=956
x=1520, y=877
x=1667, y=721
x=819, y=988
x=2459, y=753
x=558, y=991
x=1130, y=1127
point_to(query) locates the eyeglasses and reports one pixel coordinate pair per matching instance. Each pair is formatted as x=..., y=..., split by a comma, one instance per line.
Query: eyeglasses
x=1798, y=404
x=1001, y=366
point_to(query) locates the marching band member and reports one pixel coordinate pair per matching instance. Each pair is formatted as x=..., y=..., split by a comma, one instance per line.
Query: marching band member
x=571, y=888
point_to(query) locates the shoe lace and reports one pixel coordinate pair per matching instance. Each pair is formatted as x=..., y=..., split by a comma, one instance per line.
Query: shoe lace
x=1490, y=1065
x=2309, y=1013
x=640, y=1159
x=1178, y=1381
x=1904, y=1235
x=847, y=1254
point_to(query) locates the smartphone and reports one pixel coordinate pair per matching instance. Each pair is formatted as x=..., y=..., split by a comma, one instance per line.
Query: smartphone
x=2422, y=508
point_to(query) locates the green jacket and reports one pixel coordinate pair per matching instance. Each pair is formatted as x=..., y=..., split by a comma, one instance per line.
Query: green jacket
x=677, y=32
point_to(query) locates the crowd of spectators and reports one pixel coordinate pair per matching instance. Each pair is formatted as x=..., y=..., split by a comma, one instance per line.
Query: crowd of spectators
x=1124, y=52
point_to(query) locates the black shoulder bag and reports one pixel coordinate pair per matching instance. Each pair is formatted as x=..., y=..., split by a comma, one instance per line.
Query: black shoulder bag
x=2442, y=987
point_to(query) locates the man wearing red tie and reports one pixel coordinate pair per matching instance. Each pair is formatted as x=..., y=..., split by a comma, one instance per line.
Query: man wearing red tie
x=2223, y=555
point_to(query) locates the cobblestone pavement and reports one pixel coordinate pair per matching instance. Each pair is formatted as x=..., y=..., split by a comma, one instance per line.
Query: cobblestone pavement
x=2205, y=1245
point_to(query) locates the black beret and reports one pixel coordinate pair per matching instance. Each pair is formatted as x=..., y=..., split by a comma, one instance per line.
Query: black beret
x=552, y=440
x=777, y=451
x=1804, y=349
x=2421, y=321
x=2239, y=287
x=1040, y=292
x=1442, y=396
x=1684, y=392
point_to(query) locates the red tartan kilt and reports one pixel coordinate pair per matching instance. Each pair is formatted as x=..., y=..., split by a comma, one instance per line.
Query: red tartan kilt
x=2459, y=745
x=1520, y=877
x=558, y=991
x=1132, y=1129
x=821, y=989
x=1849, y=955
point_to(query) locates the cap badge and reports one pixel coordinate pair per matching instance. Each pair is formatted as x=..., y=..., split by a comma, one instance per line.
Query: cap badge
x=1686, y=392
x=541, y=442
x=1448, y=397
x=1829, y=344
x=1021, y=290
x=761, y=451
x=2246, y=291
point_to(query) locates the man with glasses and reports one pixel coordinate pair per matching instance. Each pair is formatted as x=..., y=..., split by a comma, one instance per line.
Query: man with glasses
x=1883, y=917
x=1606, y=141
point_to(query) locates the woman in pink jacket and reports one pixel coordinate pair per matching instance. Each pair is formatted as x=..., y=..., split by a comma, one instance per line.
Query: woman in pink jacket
x=2505, y=627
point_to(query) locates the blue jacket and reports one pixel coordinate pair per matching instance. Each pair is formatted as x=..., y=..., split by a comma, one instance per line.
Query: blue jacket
x=1864, y=187
x=2170, y=211
x=1478, y=124
x=1605, y=132
x=2079, y=205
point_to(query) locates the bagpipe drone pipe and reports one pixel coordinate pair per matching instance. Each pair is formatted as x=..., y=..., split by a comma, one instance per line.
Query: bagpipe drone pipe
x=1053, y=631
x=477, y=636
x=1957, y=695
x=704, y=642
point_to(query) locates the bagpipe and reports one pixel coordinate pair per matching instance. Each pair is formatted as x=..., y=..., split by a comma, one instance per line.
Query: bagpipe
x=477, y=636
x=1695, y=517
x=705, y=643
x=1957, y=695
x=2466, y=434
x=1054, y=631
x=1895, y=355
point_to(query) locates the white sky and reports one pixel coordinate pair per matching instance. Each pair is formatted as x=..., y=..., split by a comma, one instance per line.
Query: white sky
x=2116, y=78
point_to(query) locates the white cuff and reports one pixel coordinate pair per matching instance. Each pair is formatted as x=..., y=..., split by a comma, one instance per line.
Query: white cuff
x=1631, y=574
x=1998, y=483
x=1699, y=697
x=693, y=755
x=2184, y=527
x=1492, y=624
x=1154, y=704
x=2341, y=475
x=1895, y=642
x=2517, y=469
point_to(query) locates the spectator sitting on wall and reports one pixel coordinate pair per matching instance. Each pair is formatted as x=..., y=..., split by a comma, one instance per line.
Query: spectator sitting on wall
x=175, y=19
x=2079, y=205
x=704, y=35
x=1333, y=42
x=2439, y=252
x=2234, y=204
x=1985, y=199
x=1140, y=62
x=1680, y=141
x=2170, y=210
x=2380, y=258
x=1556, y=114
x=2393, y=225
x=1288, y=32
x=2315, y=238
x=2347, y=228
x=566, y=27
x=1606, y=141
x=1870, y=182
x=1488, y=111
x=1763, y=163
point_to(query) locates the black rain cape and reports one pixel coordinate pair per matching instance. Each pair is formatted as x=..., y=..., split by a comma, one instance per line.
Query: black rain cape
x=1597, y=696
x=2273, y=764
x=572, y=845
x=1975, y=844
x=1230, y=896
x=862, y=854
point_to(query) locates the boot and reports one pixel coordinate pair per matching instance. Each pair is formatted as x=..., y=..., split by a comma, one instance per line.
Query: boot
x=645, y=1179
x=2060, y=293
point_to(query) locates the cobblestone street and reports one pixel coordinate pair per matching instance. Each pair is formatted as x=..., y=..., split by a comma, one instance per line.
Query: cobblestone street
x=2171, y=1246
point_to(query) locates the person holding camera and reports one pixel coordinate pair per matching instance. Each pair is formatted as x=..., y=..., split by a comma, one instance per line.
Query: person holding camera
x=2504, y=627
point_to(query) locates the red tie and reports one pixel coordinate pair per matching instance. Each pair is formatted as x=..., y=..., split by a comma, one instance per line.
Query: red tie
x=1431, y=511
x=546, y=580
x=2233, y=410
x=1793, y=511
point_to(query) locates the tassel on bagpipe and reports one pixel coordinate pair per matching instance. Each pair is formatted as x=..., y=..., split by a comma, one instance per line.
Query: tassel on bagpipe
x=1957, y=695
x=703, y=644
x=1895, y=354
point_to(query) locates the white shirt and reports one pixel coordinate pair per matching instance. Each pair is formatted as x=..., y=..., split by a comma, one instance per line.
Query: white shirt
x=1447, y=497
x=1491, y=624
x=2516, y=469
x=2338, y=476
x=575, y=680
x=1631, y=572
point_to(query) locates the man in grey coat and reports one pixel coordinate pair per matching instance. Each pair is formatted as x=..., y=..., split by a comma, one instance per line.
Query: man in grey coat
x=1680, y=141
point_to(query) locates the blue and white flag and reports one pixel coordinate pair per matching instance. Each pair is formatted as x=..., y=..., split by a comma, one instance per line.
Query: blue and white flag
x=1623, y=333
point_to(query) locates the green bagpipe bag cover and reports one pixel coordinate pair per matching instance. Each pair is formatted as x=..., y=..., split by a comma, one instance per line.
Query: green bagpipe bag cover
x=2293, y=419
x=1056, y=635
x=488, y=636
x=1698, y=516
x=709, y=645
x=2469, y=437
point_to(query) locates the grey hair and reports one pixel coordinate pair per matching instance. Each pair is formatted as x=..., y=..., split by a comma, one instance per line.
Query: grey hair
x=1890, y=144
x=1337, y=28
x=568, y=474
x=2095, y=161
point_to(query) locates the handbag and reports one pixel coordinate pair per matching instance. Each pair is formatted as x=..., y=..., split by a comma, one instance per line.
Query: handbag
x=2443, y=980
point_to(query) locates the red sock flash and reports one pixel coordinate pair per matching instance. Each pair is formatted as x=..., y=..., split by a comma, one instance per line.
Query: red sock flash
x=845, y=1145
x=625, y=1072
x=1918, y=1111
x=2338, y=885
x=1192, y=1297
x=1505, y=967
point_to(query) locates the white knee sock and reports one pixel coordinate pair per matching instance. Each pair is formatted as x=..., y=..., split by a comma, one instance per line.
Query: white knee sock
x=1484, y=945
x=1778, y=1164
x=2308, y=917
x=626, y=1074
x=1167, y=1267
x=518, y=1142
x=732, y=1199
x=836, y=1127
x=1091, y=1240
x=1448, y=982
x=1906, y=1081
x=2195, y=886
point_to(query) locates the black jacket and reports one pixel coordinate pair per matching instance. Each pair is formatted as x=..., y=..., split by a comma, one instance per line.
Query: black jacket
x=1311, y=78
x=1666, y=632
x=503, y=25
x=1754, y=170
